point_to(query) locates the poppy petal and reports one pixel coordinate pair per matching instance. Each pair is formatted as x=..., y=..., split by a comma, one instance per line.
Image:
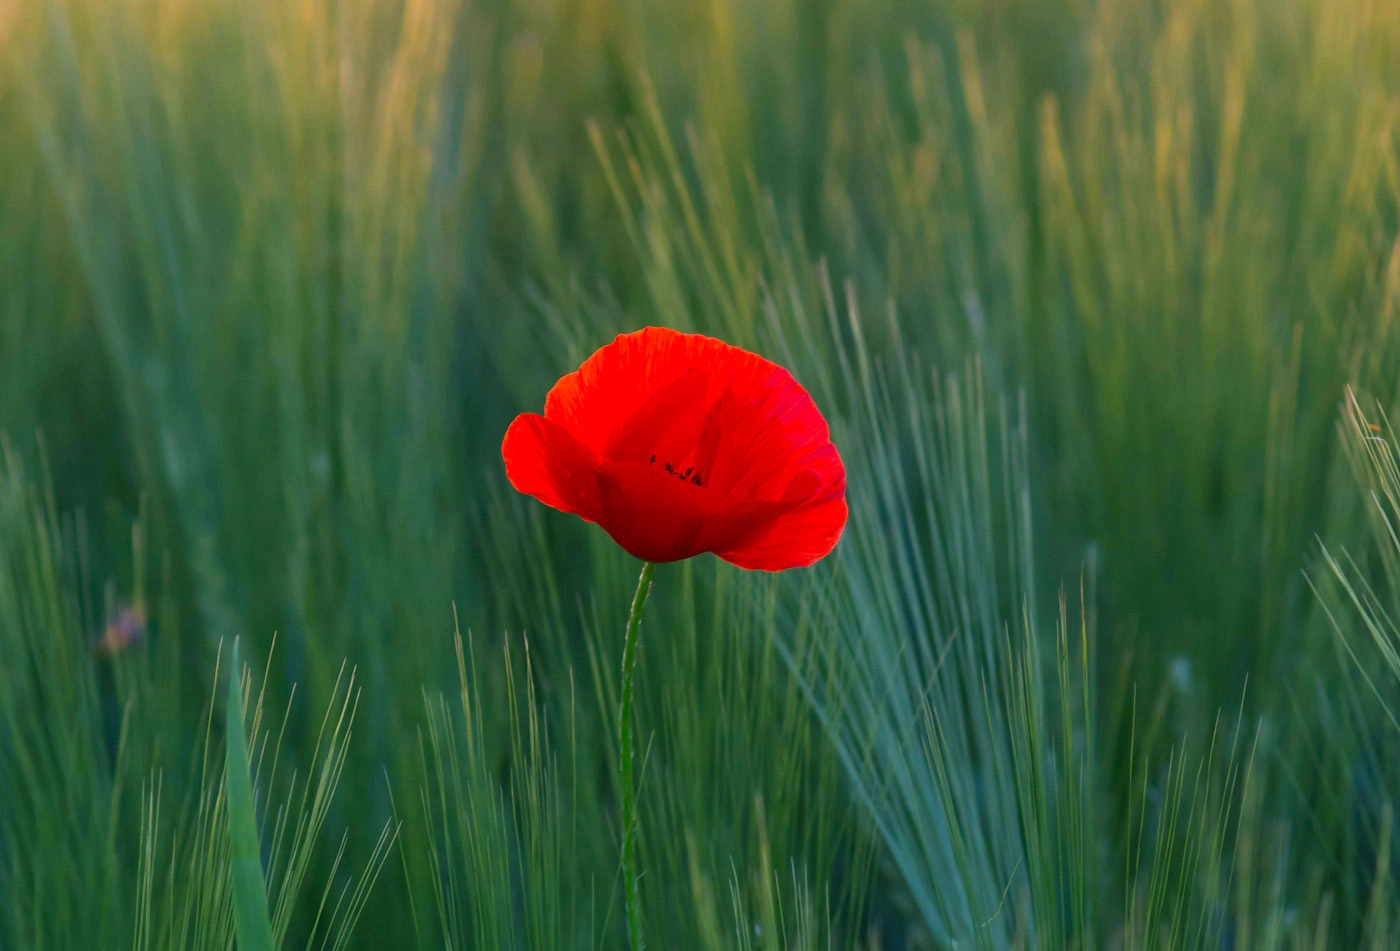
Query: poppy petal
x=667, y=425
x=544, y=460
x=653, y=514
x=790, y=537
x=773, y=433
x=622, y=376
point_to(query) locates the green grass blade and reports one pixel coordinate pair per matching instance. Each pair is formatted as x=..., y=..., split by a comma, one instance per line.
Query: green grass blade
x=254, y=926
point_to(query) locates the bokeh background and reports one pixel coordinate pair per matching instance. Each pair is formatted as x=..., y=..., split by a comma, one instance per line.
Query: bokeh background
x=1100, y=297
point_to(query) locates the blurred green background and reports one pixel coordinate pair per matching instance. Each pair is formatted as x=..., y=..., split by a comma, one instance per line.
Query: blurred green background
x=1100, y=297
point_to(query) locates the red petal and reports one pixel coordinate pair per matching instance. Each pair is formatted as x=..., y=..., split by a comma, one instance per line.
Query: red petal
x=791, y=537
x=621, y=377
x=773, y=434
x=545, y=461
x=668, y=425
x=653, y=514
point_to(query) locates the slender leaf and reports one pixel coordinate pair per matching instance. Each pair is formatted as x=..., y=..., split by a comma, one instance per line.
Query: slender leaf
x=252, y=922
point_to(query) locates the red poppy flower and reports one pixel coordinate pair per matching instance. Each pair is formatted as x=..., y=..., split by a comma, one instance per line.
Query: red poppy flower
x=678, y=444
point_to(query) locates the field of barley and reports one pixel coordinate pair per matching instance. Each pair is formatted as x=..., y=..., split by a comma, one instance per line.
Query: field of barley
x=1100, y=300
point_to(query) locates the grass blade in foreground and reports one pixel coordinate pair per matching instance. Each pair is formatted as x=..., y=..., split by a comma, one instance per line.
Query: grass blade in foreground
x=250, y=917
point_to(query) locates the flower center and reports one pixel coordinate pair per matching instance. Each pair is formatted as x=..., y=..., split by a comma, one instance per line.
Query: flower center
x=687, y=475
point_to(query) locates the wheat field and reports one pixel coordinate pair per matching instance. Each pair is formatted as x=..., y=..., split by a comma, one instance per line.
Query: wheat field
x=1100, y=298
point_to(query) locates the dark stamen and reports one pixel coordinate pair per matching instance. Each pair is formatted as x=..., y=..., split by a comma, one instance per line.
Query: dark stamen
x=689, y=475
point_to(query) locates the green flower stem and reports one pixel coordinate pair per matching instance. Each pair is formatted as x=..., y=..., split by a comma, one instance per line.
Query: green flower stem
x=631, y=885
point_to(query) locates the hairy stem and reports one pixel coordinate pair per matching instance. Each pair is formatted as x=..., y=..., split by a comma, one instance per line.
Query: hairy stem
x=631, y=886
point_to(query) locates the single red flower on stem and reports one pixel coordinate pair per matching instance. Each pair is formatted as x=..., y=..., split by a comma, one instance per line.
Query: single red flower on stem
x=678, y=444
